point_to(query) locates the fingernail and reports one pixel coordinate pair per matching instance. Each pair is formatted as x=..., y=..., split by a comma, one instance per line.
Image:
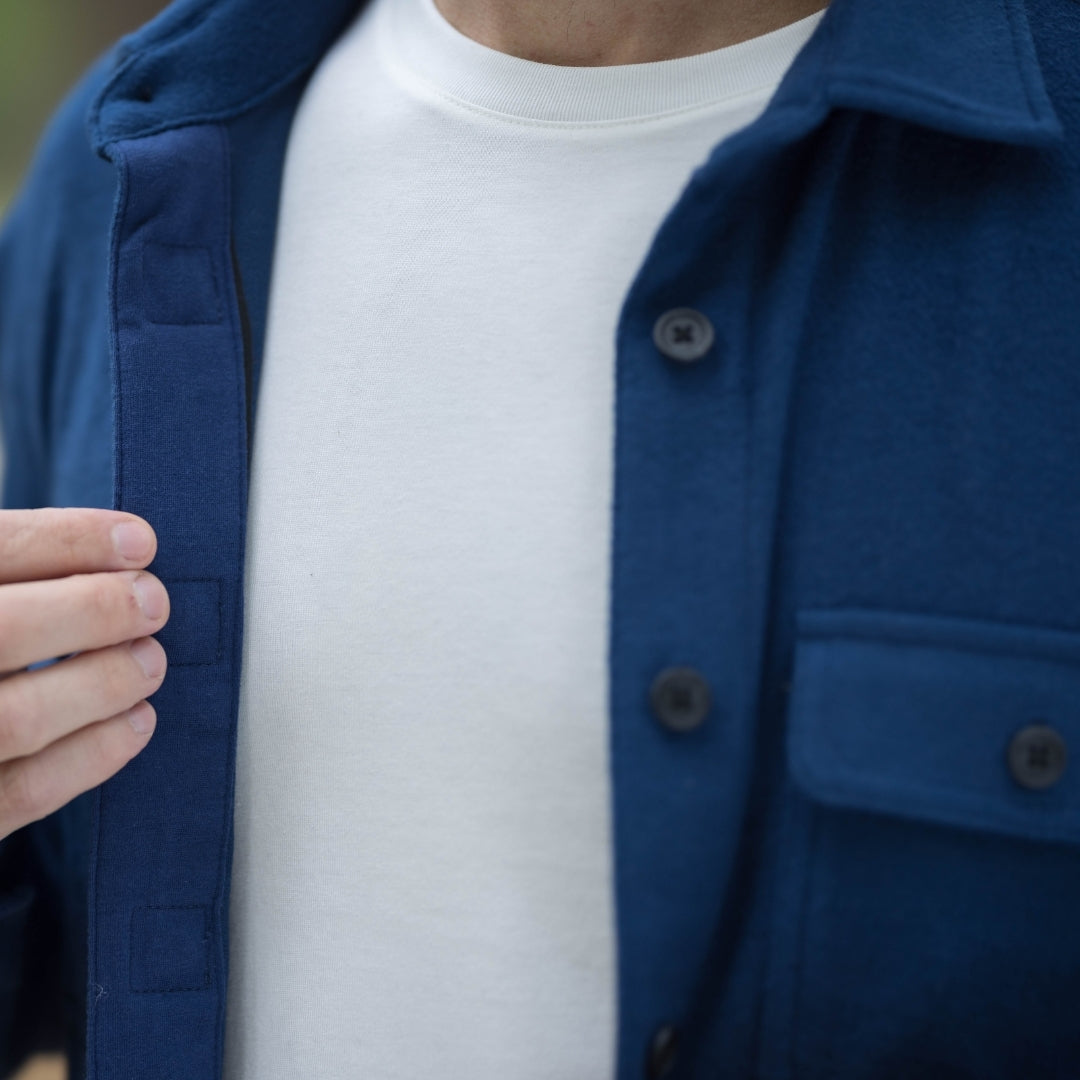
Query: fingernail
x=142, y=718
x=149, y=657
x=151, y=596
x=131, y=540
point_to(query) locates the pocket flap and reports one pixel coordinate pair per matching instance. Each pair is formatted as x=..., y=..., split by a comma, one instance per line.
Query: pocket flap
x=913, y=715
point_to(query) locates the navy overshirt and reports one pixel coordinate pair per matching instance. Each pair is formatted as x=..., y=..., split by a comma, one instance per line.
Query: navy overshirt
x=856, y=518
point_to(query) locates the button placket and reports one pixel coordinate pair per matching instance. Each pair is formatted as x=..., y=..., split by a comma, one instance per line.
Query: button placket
x=678, y=555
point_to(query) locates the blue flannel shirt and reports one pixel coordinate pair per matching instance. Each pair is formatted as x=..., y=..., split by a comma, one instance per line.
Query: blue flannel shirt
x=857, y=517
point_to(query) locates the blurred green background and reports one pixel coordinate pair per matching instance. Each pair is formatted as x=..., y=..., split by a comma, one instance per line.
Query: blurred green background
x=45, y=45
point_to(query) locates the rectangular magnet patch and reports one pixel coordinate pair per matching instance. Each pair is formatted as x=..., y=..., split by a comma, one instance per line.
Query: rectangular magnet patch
x=170, y=949
x=193, y=633
x=180, y=285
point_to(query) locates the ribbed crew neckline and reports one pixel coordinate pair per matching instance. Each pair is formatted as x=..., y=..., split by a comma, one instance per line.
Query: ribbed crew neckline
x=454, y=65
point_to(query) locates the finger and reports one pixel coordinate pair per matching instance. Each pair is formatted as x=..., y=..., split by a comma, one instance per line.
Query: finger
x=5, y=674
x=55, y=542
x=39, y=707
x=40, y=620
x=34, y=787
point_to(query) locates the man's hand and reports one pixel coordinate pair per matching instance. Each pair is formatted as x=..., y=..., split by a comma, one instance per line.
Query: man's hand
x=65, y=588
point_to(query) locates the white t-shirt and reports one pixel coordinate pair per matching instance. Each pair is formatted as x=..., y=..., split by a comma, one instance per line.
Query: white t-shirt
x=422, y=872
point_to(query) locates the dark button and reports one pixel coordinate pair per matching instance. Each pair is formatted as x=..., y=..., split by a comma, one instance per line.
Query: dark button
x=680, y=698
x=663, y=1049
x=1037, y=757
x=683, y=334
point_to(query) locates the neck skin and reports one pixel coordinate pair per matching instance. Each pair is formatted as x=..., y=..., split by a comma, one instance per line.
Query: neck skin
x=599, y=33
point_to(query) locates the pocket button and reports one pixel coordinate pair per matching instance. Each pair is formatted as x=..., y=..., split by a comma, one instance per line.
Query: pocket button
x=1037, y=757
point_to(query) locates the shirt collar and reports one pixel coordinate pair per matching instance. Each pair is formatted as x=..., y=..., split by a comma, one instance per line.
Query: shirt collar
x=966, y=67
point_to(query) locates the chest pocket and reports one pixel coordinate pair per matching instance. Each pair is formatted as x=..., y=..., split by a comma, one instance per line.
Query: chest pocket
x=927, y=904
